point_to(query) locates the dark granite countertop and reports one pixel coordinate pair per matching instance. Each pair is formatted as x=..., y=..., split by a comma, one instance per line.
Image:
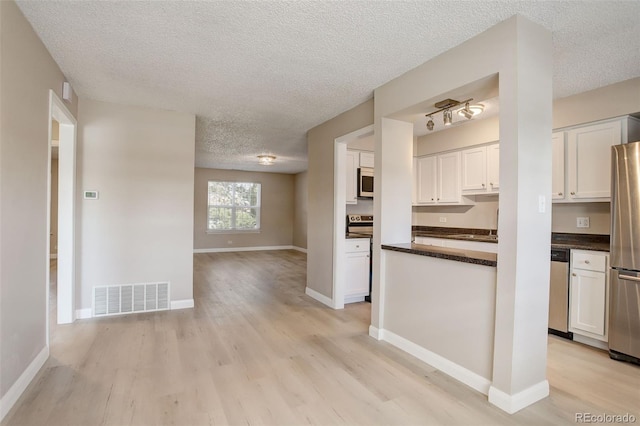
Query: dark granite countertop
x=468, y=256
x=558, y=239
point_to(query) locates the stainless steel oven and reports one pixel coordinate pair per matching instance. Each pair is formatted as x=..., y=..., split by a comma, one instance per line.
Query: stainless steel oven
x=361, y=226
x=365, y=182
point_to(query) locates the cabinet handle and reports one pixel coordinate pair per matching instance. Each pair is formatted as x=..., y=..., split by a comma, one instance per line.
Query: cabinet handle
x=491, y=183
x=573, y=274
x=432, y=199
x=357, y=246
x=587, y=262
x=560, y=193
x=573, y=193
x=438, y=199
x=483, y=185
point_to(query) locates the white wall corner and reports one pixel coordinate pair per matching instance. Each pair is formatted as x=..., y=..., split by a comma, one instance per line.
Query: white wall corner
x=516, y=402
x=182, y=304
x=376, y=333
x=84, y=313
x=16, y=390
x=319, y=297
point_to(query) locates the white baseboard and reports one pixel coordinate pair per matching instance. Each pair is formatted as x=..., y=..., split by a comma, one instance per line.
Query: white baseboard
x=84, y=313
x=304, y=250
x=514, y=403
x=53, y=256
x=376, y=333
x=182, y=304
x=16, y=390
x=353, y=299
x=319, y=297
x=231, y=249
x=454, y=370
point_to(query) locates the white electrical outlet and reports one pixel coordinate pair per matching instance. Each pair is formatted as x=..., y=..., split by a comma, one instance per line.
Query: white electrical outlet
x=443, y=219
x=229, y=242
x=582, y=222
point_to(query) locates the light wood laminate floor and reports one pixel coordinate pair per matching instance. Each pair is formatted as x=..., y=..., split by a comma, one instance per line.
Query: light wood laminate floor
x=257, y=350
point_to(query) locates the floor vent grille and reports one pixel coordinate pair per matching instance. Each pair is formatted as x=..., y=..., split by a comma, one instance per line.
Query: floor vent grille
x=130, y=298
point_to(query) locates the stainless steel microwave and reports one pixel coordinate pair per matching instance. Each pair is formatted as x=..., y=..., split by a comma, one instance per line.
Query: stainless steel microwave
x=365, y=182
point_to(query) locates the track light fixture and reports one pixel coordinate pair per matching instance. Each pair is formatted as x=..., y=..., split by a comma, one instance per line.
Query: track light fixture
x=446, y=106
x=430, y=123
x=447, y=117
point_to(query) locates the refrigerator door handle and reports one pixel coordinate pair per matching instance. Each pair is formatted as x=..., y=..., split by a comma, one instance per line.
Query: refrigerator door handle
x=628, y=277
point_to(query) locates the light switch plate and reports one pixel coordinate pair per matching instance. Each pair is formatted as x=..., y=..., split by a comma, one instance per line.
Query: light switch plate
x=443, y=219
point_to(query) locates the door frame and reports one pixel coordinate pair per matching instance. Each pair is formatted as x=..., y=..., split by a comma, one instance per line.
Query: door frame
x=340, y=211
x=66, y=210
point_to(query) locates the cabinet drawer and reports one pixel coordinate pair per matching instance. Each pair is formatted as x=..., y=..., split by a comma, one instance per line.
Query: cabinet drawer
x=588, y=261
x=357, y=245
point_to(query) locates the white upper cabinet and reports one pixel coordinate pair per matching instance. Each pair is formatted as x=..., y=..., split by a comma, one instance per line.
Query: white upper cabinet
x=474, y=169
x=582, y=159
x=438, y=179
x=352, y=178
x=589, y=164
x=557, y=167
x=481, y=170
x=493, y=167
x=426, y=172
x=367, y=159
x=449, y=178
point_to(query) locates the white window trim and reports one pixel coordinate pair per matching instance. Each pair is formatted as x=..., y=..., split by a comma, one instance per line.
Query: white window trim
x=233, y=208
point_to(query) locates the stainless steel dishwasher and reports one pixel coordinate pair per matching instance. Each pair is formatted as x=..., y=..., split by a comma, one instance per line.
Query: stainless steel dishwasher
x=559, y=293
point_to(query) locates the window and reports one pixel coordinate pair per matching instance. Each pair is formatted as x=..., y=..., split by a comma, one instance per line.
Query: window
x=233, y=206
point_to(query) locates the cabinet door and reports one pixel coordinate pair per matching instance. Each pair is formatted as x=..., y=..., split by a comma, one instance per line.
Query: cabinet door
x=557, y=166
x=427, y=172
x=588, y=302
x=357, y=270
x=449, y=178
x=474, y=170
x=493, y=167
x=589, y=165
x=351, y=179
x=367, y=159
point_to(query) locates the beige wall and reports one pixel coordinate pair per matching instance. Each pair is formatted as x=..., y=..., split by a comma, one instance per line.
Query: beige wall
x=276, y=212
x=301, y=200
x=481, y=215
x=321, y=141
x=565, y=215
x=27, y=73
x=140, y=229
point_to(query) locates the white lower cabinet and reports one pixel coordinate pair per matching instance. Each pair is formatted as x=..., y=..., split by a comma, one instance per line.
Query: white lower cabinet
x=589, y=294
x=356, y=270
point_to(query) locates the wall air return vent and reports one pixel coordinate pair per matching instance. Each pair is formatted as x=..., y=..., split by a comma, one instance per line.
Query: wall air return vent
x=130, y=298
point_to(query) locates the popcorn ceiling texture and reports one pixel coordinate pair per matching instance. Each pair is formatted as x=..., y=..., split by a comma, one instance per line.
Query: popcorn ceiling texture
x=258, y=75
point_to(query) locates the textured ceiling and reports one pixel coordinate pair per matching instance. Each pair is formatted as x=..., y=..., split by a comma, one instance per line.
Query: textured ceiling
x=259, y=74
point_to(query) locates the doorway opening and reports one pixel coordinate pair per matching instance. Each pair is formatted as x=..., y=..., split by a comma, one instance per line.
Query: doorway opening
x=61, y=191
x=340, y=211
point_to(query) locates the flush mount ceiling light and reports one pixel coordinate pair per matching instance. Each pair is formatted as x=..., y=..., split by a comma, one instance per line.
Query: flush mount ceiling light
x=469, y=111
x=266, y=160
x=446, y=106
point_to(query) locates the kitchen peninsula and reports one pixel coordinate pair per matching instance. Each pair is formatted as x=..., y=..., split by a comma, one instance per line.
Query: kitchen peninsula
x=441, y=308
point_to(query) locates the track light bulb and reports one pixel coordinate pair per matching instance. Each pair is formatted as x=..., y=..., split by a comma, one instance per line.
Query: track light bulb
x=447, y=117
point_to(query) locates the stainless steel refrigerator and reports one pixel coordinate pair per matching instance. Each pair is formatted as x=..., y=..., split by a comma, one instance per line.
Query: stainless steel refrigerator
x=624, y=302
